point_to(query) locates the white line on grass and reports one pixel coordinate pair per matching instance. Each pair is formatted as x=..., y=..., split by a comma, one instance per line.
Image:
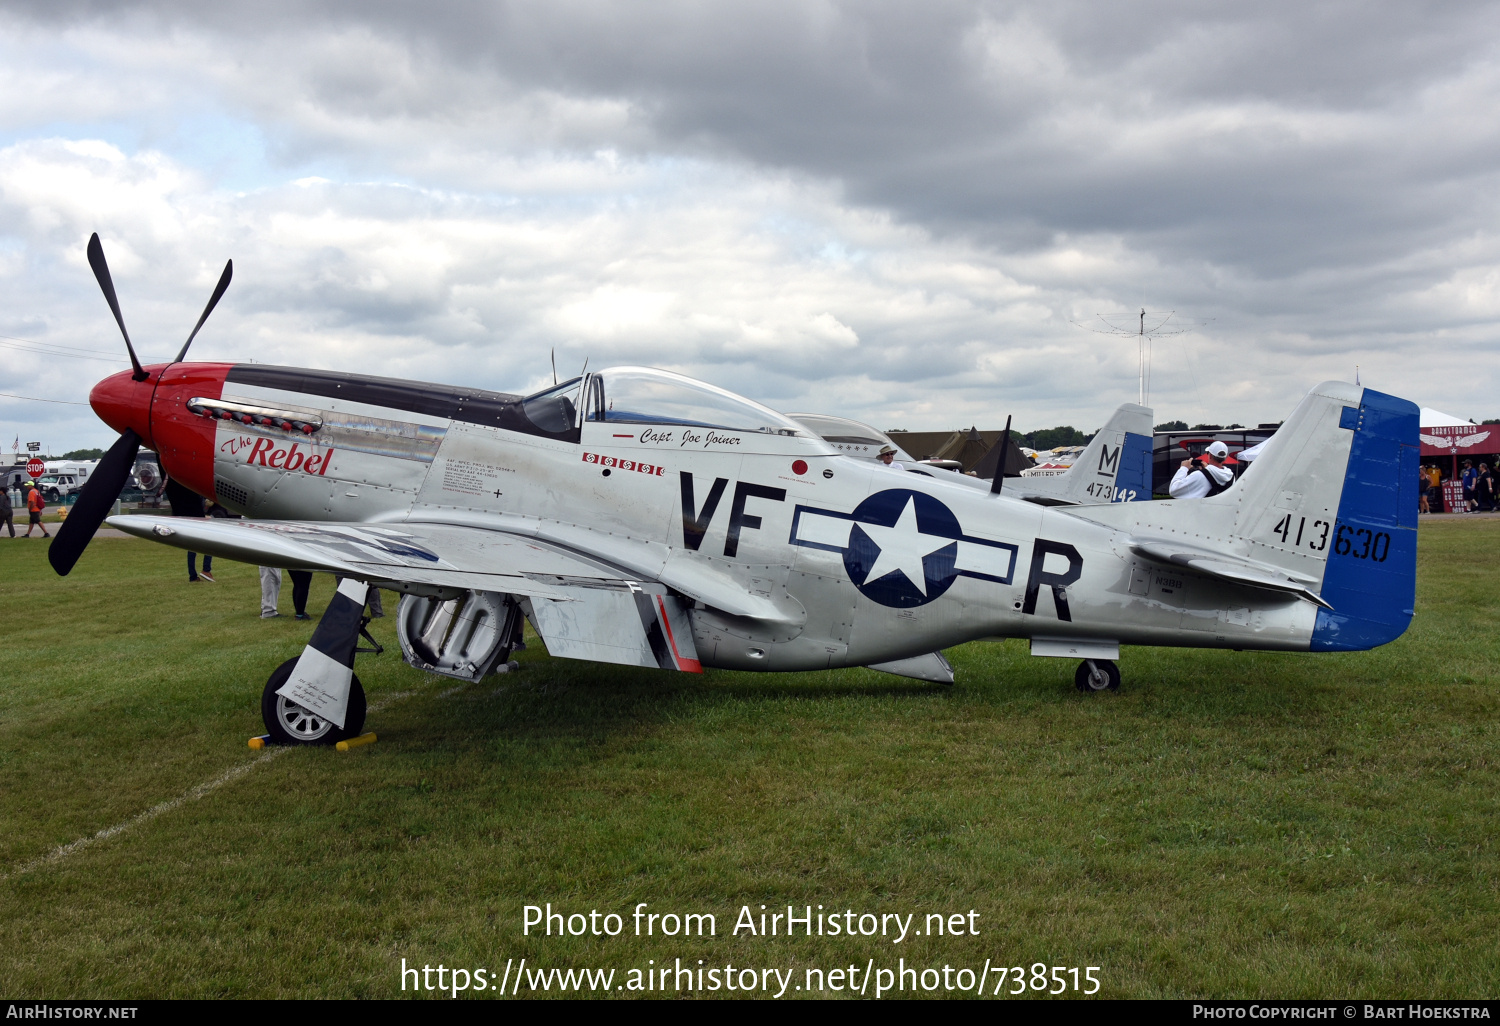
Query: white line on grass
x=63, y=851
x=193, y=794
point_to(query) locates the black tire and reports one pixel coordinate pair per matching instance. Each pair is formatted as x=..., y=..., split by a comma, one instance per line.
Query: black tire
x=307, y=729
x=1097, y=675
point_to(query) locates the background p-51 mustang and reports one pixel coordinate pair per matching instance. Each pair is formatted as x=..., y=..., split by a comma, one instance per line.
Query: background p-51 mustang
x=1114, y=467
x=636, y=516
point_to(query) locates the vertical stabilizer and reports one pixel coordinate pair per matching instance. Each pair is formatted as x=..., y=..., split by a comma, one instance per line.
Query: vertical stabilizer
x=1114, y=467
x=1371, y=580
x=1331, y=504
x=1336, y=485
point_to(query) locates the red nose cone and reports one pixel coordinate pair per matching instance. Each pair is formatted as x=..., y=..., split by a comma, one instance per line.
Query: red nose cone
x=121, y=402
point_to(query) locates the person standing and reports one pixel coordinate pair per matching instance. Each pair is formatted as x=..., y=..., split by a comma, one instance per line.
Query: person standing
x=188, y=503
x=887, y=455
x=7, y=511
x=208, y=564
x=1422, y=486
x=1434, y=489
x=1204, y=475
x=301, y=585
x=34, y=506
x=1469, y=478
x=1484, y=489
x=270, y=592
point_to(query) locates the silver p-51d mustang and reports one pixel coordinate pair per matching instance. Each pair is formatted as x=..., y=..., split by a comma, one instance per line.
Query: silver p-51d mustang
x=639, y=517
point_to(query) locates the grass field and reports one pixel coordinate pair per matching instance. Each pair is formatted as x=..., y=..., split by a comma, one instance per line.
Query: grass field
x=1226, y=825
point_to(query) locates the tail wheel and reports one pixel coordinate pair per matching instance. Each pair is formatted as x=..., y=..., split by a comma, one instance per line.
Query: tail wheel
x=1097, y=675
x=290, y=724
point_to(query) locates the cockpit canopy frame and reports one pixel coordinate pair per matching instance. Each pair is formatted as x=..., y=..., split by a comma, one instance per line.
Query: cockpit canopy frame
x=648, y=397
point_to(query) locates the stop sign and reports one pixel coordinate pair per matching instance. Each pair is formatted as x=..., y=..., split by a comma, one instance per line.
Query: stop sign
x=35, y=467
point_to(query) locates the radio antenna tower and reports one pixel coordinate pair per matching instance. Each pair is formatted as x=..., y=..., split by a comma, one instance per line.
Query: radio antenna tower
x=1144, y=336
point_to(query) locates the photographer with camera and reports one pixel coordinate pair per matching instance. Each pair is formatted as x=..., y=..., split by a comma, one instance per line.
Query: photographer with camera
x=1204, y=475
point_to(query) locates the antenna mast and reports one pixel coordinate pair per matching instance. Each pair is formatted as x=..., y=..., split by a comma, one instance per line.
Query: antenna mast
x=1144, y=336
x=1143, y=356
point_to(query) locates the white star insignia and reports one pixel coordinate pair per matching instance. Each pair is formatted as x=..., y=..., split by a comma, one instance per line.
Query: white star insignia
x=902, y=548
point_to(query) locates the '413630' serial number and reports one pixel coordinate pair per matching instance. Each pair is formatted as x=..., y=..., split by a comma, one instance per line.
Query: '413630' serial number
x=1358, y=542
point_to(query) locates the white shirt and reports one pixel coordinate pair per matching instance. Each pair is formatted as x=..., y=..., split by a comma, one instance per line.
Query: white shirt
x=893, y=464
x=1187, y=483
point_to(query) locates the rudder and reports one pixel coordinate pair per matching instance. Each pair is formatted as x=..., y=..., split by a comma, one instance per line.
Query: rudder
x=1371, y=579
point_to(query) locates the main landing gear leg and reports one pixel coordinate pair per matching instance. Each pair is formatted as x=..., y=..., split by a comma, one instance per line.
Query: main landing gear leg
x=1097, y=675
x=316, y=699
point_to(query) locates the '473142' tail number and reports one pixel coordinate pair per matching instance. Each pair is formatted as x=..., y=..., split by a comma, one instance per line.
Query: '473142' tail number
x=1110, y=492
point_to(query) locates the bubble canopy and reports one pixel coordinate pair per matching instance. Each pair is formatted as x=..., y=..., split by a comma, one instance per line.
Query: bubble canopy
x=643, y=395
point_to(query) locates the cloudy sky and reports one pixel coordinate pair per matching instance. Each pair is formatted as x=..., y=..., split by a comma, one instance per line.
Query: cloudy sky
x=913, y=213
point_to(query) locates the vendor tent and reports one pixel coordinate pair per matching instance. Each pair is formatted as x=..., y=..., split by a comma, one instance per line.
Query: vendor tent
x=1015, y=461
x=967, y=447
x=1437, y=418
x=1447, y=441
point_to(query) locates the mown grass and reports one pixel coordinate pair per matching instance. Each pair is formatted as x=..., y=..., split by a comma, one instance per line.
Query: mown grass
x=1229, y=824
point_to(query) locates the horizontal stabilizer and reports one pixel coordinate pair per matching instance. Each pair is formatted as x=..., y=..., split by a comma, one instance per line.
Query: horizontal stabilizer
x=1229, y=568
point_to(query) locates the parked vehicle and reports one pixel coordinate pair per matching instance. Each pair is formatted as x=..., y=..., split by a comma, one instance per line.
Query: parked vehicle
x=80, y=469
x=57, y=487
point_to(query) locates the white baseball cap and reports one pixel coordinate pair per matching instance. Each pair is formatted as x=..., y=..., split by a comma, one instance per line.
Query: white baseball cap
x=1218, y=449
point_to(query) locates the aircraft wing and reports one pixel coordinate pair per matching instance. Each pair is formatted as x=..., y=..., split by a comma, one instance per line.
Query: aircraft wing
x=584, y=608
x=1227, y=567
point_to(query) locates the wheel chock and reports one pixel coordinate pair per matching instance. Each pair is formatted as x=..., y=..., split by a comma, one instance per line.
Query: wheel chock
x=257, y=743
x=355, y=742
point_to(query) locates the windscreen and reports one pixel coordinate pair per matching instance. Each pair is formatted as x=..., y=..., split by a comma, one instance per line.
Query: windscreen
x=555, y=410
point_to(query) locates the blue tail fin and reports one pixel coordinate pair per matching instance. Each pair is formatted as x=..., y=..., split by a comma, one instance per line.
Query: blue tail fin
x=1371, y=580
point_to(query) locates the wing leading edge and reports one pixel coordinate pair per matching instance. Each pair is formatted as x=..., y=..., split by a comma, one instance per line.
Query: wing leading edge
x=583, y=608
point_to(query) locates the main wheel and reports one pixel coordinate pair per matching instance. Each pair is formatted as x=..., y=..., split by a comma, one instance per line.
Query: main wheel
x=290, y=724
x=1097, y=675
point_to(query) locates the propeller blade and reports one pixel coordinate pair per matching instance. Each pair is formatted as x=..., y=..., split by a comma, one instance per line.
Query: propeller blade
x=107, y=284
x=213, y=302
x=93, y=504
x=999, y=480
x=554, y=365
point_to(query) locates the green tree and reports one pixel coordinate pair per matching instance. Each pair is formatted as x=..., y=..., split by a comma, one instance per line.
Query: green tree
x=1051, y=438
x=1173, y=425
x=83, y=454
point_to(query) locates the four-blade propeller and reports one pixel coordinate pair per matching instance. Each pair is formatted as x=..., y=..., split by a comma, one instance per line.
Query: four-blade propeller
x=113, y=472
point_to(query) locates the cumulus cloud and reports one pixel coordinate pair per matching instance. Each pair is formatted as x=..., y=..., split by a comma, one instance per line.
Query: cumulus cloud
x=902, y=213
